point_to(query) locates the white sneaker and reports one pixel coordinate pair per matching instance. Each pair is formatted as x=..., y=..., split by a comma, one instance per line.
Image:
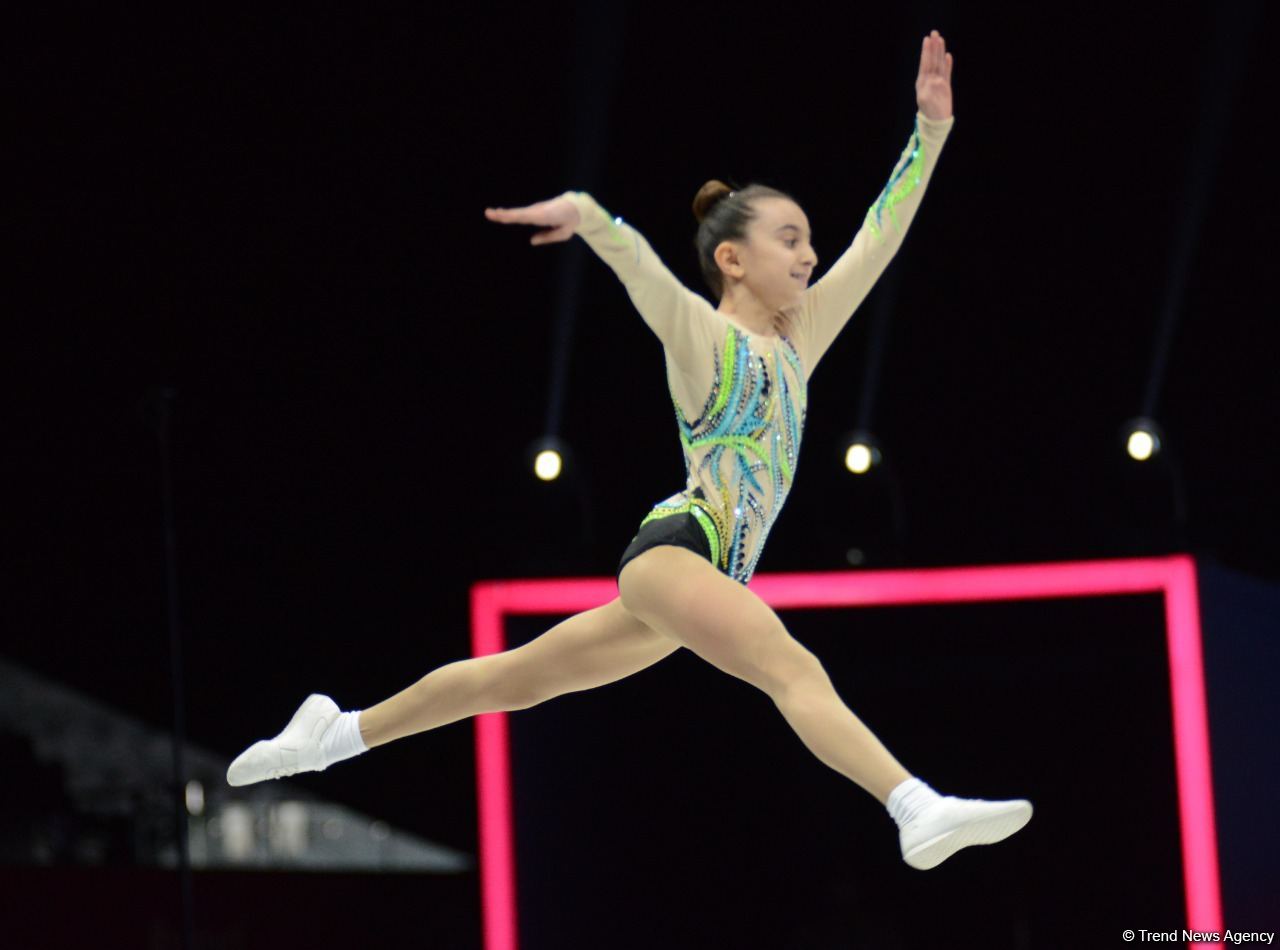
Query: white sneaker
x=296, y=749
x=954, y=823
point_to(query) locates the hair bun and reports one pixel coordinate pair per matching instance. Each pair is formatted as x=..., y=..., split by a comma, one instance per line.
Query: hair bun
x=707, y=196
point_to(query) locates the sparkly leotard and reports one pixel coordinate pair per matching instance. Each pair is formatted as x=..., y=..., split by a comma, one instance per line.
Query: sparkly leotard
x=740, y=397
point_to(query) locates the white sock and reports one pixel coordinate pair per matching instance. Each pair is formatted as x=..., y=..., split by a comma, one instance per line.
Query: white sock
x=909, y=799
x=342, y=740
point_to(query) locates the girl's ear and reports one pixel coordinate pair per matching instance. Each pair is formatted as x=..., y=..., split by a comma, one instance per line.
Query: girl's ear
x=727, y=258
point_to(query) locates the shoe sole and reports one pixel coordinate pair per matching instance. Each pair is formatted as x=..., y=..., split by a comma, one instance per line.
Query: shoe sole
x=988, y=830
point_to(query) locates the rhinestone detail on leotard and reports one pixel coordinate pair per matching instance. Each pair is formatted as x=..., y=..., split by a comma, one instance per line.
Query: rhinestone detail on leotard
x=740, y=452
x=901, y=183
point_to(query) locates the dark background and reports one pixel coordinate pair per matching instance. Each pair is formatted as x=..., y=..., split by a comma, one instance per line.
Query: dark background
x=278, y=215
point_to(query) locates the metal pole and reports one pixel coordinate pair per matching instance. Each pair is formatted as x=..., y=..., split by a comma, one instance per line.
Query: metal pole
x=162, y=399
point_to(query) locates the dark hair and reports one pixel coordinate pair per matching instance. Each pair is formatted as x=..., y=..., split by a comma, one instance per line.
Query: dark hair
x=723, y=214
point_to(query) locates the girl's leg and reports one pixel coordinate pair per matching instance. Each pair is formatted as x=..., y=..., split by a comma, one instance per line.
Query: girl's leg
x=587, y=650
x=590, y=649
x=680, y=594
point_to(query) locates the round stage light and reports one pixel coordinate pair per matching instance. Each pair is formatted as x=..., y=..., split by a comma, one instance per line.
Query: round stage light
x=548, y=465
x=1142, y=439
x=861, y=453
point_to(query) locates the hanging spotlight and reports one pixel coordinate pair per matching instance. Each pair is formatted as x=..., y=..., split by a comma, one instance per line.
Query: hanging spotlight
x=869, y=521
x=548, y=458
x=559, y=502
x=1143, y=438
x=547, y=465
x=861, y=453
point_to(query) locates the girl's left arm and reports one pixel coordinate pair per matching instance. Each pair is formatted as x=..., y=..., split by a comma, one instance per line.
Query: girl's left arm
x=829, y=303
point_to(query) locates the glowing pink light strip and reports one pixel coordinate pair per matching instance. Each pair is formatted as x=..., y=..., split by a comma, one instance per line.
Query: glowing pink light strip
x=1174, y=576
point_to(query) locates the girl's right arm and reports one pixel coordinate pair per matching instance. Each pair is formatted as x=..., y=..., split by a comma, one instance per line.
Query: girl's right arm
x=680, y=318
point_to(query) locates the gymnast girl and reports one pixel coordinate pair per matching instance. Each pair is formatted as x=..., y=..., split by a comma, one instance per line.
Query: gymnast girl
x=738, y=376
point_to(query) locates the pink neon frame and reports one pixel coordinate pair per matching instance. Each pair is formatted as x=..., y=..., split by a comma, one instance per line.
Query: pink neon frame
x=1174, y=576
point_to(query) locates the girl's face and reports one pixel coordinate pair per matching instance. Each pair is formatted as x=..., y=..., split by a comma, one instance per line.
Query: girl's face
x=777, y=259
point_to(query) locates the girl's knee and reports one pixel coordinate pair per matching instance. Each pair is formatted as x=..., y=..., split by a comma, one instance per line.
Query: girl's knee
x=793, y=668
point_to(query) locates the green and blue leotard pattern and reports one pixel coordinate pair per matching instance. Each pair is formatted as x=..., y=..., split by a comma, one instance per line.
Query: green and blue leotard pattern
x=740, y=451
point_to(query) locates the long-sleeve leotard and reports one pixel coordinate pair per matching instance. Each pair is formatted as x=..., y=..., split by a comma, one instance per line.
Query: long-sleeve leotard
x=740, y=398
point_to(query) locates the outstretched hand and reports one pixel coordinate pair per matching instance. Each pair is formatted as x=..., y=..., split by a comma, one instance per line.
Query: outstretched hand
x=933, y=84
x=558, y=215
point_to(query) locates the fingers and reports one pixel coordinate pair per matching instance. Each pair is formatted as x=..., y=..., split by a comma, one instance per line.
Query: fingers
x=533, y=214
x=537, y=214
x=507, y=215
x=551, y=235
x=934, y=57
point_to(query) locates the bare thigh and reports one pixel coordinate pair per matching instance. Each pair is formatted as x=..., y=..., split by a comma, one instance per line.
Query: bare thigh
x=684, y=596
x=587, y=650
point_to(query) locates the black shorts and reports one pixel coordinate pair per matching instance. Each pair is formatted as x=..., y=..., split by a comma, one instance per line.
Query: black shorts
x=682, y=530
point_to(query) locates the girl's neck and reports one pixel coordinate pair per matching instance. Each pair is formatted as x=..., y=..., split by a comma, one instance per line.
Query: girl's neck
x=745, y=310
